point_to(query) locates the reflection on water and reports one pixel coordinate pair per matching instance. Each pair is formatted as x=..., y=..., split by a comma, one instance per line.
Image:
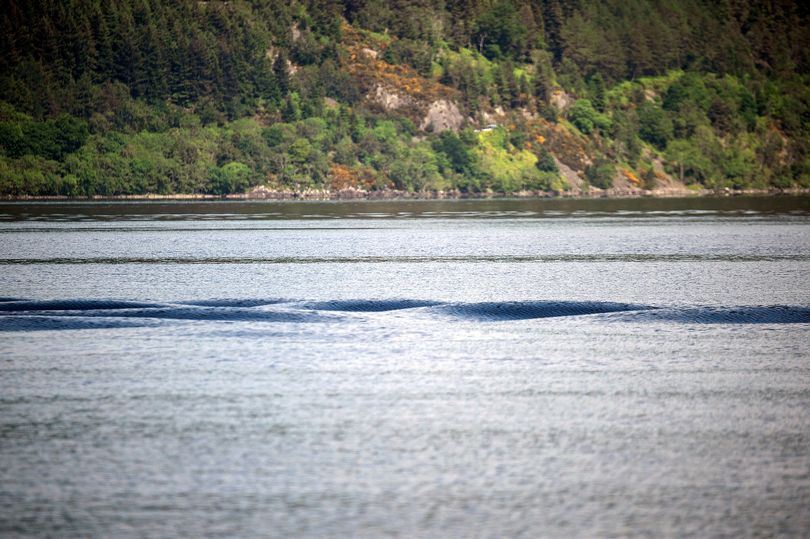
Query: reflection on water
x=488, y=368
x=497, y=208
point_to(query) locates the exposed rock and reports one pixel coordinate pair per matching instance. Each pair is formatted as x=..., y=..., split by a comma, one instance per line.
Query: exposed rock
x=527, y=114
x=399, y=87
x=497, y=116
x=487, y=118
x=666, y=184
x=658, y=168
x=441, y=116
x=561, y=100
x=349, y=193
x=272, y=53
x=574, y=179
x=625, y=183
x=264, y=192
x=389, y=99
x=572, y=149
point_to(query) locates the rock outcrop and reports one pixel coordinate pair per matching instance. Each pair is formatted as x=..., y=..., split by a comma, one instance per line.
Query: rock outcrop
x=441, y=116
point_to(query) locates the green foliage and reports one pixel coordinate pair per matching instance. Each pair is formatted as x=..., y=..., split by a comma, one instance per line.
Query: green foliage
x=586, y=118
x=601, y=174
x=546, y=163
x=591, y=45
x=457, y=152
x=690, y=161
x=543, y=78
x=626, y=144
x=688, y=90
x=655, y=126
x=470, y=72
x=569, y=76
x=508, y=169
x=414, y=53
x=499, y=31
x=120, y=97
x=345, y=152
x=51, y=139
x=32, y=175
x=232, y=177
x=417, y=170
x=279, y=133
x=597, y=91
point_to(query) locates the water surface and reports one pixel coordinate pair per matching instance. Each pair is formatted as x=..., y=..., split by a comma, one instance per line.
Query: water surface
x=436, y=369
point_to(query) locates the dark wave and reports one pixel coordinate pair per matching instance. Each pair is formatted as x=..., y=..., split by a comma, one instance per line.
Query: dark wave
x=178, y=312
x=367, y=305
x=71, y=305
x=33, y=315
x=772, y=314
x=56, y=323
x=226, y=302
x=525, y=310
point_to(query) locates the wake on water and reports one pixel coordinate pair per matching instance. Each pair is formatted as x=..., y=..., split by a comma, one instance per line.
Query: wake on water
x=63, y=314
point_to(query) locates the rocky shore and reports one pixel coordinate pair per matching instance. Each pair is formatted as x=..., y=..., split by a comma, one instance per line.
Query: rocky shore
x=262, y=193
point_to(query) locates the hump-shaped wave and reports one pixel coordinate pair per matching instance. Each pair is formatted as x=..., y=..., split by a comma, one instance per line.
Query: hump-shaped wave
x=31, y=315
x=771, y=314
x=367, y=305
x=51, y=323
x=179, y=312
x=525, y=310
x=70, y=305
x=236, y=302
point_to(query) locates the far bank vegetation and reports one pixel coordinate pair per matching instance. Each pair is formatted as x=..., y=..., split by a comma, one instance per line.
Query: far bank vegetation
x=468, y=97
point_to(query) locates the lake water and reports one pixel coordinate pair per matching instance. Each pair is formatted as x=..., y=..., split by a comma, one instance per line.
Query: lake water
x=416, y=369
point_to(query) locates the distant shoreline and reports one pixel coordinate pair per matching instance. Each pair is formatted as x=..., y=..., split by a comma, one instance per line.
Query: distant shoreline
x=393, y=195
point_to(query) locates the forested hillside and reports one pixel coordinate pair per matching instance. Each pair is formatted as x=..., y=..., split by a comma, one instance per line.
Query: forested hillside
x=116, y=97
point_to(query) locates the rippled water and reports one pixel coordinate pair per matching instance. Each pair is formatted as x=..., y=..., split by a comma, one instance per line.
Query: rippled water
x=416, y=369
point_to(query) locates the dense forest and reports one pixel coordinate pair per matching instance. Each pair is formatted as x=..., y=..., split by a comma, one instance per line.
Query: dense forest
x=128, y=97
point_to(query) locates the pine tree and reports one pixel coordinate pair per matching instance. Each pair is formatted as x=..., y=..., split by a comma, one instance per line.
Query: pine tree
x=553, y=20
x=597, y=92
x=281, y=73
x=542, y=84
